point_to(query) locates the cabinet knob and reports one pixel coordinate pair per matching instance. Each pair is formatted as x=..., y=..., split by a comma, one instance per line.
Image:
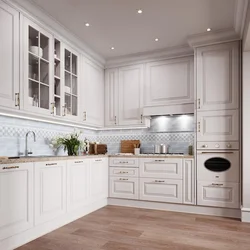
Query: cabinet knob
x=229, y=145
x=217, y=145
x=205, y=146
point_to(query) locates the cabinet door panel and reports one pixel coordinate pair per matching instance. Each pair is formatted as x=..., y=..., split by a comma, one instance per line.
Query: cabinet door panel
x=163, y=190
x=16, y=199
x=130, y=95
x=9, y=55
x=50, y=190
x=77, y=184
x=218, y=76
x=218, y=194
x=169, y=82
x=218, y=125
x=111, y=97
x=126, y=188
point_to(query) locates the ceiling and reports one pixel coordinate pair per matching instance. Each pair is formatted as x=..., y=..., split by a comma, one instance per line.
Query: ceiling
x=116, y=23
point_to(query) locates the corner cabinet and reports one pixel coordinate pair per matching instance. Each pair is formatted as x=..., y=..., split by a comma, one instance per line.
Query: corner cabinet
x=9, y=54
x=218, y=77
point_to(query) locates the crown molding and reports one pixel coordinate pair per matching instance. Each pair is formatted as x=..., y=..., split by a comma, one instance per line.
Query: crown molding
x=240, y=16
x=213, y=37
x=37, y=14
x=167, y=53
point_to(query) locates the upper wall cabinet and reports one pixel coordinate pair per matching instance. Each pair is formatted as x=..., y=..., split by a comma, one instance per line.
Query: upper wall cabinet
x=92, y=92
x=218, y=77
x=9, y=56
x=169, y=82
x=37, y=68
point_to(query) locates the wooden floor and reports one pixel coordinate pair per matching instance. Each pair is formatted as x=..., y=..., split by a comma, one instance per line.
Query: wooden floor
x=121, y=228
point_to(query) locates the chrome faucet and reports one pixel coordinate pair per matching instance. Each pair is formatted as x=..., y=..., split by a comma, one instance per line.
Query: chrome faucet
x=27, y=153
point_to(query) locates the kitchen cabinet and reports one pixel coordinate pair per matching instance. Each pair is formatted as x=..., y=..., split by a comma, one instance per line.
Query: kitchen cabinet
x=9, y=54
x=92, y=91
x=221, y=125
x=218, y=82
x=37, y=68
x=170, y=168
x=16, y=199
x=78, y=173
x=124, y=187
x=218, y=194
x=98, y=179
x=169, y=82
x=162, y=190
x=189, y=181
x=50, y=190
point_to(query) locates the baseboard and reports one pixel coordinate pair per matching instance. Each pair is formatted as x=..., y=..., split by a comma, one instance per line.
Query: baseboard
x=40, y=230
x=215, y=211
x=245, y=214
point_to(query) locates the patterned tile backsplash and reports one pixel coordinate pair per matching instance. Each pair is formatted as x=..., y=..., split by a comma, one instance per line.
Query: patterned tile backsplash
x=13, y=130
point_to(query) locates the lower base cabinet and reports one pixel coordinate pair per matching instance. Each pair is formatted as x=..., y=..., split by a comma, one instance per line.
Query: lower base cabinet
x=162, y=190
x=16, y=199
x=124, y=188
x=50, y=190
x=218, y=194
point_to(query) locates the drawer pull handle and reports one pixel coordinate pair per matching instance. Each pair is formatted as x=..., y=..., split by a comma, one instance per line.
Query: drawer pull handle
x=158, y=181
x=51, y=164
x=98, y=160
x=122, y=172
x=78, y=161
x=159, y=160
x=121, y=179
x=124, y=162
x=12, y=167
x=217, y=184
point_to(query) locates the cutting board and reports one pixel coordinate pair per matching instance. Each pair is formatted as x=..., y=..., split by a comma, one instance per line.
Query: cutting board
x=127, y=146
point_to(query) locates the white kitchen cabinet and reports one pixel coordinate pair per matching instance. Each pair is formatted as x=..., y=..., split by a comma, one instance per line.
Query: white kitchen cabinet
x=9, y=56
x=218, y=77
x=221, y=125
x=170, y=168
x=78, y=182
x=124, y=188
x=111, y=97
x=162, y=190
x=169, y=82
x=218, y=194
x=189, y=181
x=131, y=95
x=50, y=190
x=92, y=90
x=16, y=198
x=38, y=65
x=98, y=179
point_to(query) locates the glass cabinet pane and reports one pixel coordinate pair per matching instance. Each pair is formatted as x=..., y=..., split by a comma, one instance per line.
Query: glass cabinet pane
x=74, y=64
x=44, y=72
x=33, y=67
x=67, y=60
x=44, y=47
x=68, y=103
x=44, y=96
x=33, y=41
x=33, y=98
x=74, y=85
x=74, y=105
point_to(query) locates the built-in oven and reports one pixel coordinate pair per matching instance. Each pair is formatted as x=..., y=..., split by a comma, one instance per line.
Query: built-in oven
x=218, y=165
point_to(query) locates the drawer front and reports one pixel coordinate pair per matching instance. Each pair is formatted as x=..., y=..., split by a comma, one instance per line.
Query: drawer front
x=163, y=190
x=120, y=171
x=124, y=188
x=123, y=162
x=218, y=194
x=161, y=168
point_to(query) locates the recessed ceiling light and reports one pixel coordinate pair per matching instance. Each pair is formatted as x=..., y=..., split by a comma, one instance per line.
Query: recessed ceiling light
x=139, y=11
x=156, y=39
x=112, y=48
x=87, y=24
x=208, y=29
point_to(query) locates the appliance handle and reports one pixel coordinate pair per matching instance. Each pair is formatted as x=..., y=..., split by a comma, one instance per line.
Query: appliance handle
x=216, y=152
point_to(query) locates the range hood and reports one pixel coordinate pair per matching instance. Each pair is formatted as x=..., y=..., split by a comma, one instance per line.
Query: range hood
x=172, y=123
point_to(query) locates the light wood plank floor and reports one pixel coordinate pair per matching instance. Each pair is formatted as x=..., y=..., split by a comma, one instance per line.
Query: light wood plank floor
x=122, y=228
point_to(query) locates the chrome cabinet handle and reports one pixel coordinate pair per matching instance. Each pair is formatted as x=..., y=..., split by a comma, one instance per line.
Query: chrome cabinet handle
x=52, y=108
x=159, y=160
x=78, y=161
x=199, y=127
x=51, y=164
x=199, y=103
x=115, y=120
x=159, y=181
x=122, y=172
x=98, y=160
x=121, y=179
x=124, y=162
x=17, y=99
x=141, y=119
x=85, y=116
x=217, y=184
x=12, y=167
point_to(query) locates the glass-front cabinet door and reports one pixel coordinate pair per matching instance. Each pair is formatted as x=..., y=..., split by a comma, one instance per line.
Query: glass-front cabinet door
x=71, y=81
x=37, y=83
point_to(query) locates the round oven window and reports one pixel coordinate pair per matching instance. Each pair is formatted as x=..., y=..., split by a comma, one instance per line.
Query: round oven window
x=217, y=164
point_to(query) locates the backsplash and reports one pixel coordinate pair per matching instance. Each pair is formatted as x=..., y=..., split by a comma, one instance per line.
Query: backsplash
x=13, y=131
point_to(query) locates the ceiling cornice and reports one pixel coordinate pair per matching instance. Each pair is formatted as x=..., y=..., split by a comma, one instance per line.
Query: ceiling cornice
x=167, y=53
x=240, y=16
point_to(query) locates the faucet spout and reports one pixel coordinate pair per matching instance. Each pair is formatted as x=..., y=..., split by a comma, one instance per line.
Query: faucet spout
x=26, y=142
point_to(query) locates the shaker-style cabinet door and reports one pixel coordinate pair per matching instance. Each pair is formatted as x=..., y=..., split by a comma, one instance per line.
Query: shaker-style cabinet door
x=218, y=77
x=131, y=95
x=9, y=57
